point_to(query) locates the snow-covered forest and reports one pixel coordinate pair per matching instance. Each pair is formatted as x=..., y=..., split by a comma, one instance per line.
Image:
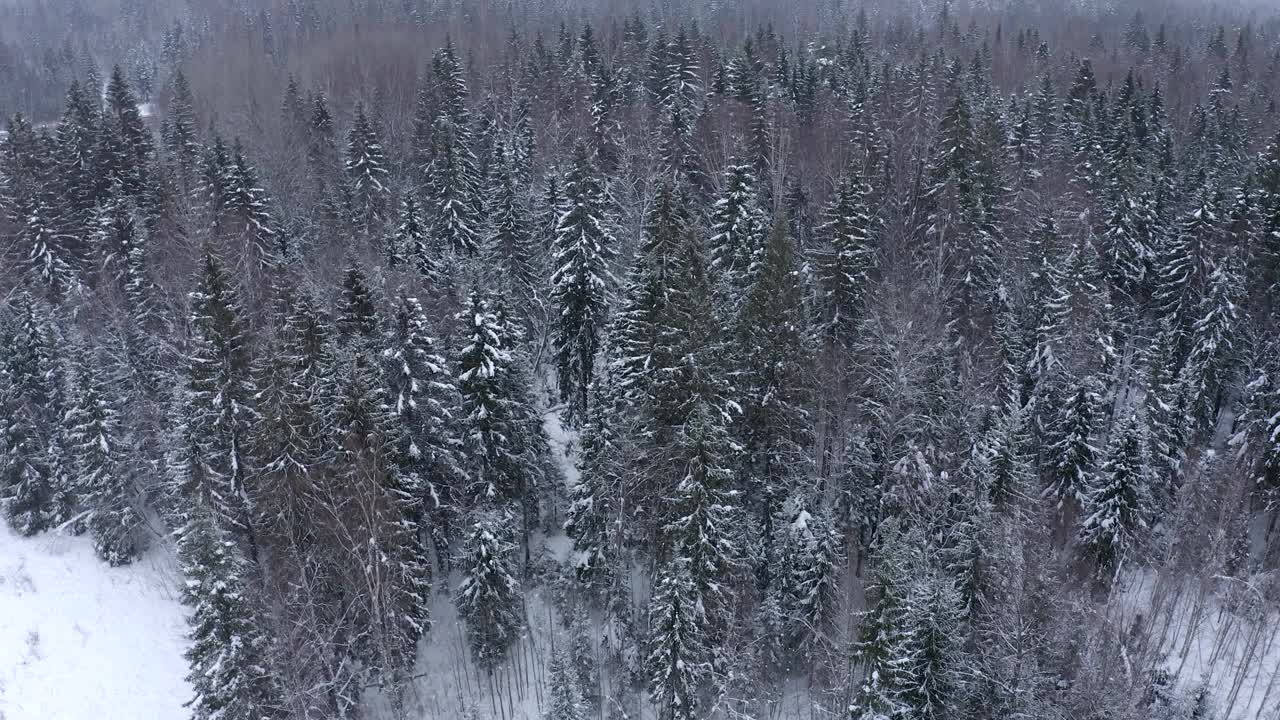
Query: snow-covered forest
x=689, y=360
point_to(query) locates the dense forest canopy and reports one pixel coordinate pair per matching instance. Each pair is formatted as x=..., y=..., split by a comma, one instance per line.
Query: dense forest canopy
x=835, y=359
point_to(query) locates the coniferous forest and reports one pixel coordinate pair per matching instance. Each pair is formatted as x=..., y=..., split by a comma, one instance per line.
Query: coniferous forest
x=680, y=360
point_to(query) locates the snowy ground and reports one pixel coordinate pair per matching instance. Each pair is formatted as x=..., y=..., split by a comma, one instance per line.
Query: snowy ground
x=1234, y=653
x=81, y=640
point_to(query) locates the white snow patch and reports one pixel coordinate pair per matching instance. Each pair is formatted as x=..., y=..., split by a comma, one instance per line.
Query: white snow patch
x=80, y=639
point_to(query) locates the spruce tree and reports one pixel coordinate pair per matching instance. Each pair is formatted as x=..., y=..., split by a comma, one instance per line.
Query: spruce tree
x=76, y=164
x=93, y=436
x=408, y=242
x=844, y=261
x=1072, y=454
x=887, y=646
x=178, y=132
x=815, y=585
x=129, y=141
x=939, y=672
x=510, y=247
x=775, y=346
x=737, y=227
x=366, y=167
x=49, y=261
x=27, y=493
x=377, y=509
x=582, y=282
x=288, y=439
x=502, y=434
x=565, y=702
x=230, y=656
x=489, y=596
x=639, y=352
x=37, y=491
x=677, y=667
x=423, y=395
x=1213, y=334
x=704, y=511
x=592, y=516
x=1118, y=502
x=247, y=224
x=357, y=318
x=216, y=414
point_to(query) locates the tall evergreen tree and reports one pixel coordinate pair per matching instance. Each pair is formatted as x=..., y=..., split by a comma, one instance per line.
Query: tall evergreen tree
x=701, y=530
x=677, y=667
x=1119, y=501
x=423, y=394
x=737, y=227
x=488, y=597
x=511, y=245
x=593, y=512
x=211, y=459
x=582, y=282
x=566, y=701
x=1072, y=454
x=93, y=437
x=845, y=260
x=366, y=166
x=230, y=657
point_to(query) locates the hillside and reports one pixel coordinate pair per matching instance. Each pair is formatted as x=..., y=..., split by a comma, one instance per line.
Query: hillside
x=79, y=639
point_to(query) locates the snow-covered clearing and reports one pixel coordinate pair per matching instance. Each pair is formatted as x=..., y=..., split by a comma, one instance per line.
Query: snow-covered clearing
x=83, y=641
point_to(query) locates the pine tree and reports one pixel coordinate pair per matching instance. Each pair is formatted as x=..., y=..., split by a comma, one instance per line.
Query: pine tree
x=939, y=673
x=129, y=141
x=1118, y=501
x=357, y=319
x=246, y=222
x=48, y=262
x=408, y=242
x=212, y=184
x=1184, y=261
x=76, y=163
x=582, y=282
x=639, y=352
x=451, y=186
x=1213, y=333
x=37, y=491
x=28, y=488
x=377, y=509
x=93, y=435
x=288, y=439
x=489, y=596
x=1008, y=461
x=680, y=163
x=1128, y=240
x=231, y=674
x=774, y=378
